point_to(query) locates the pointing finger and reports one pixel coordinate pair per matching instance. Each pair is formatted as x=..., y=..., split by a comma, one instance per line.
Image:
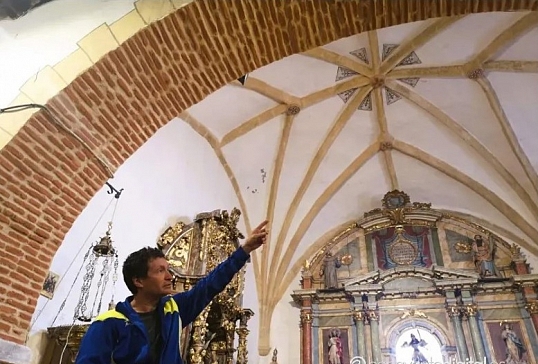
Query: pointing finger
x=262, y=225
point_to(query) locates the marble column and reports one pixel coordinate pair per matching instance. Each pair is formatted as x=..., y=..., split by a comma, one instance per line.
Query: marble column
x=306, y=316
x=373, y=316
x=306, y=332
x=455, y=316
x=532, y=308
x=471, y=312
x=359, y=317
x=529, y=292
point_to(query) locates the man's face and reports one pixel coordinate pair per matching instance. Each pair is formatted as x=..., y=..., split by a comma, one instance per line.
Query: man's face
x=159, y=280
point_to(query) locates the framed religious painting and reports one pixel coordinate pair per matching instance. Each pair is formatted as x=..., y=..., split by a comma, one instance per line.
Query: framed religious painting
x=334, y=345
x=49, y=285
x=508, y=342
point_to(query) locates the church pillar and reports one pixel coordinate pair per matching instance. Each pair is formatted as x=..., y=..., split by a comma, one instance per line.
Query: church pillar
x=306, y=329
x=358, y=316
x=306, y=318
x=461, y=345
x=479, y=351
x=532, y=308
x=373, y=316
x=529, y=292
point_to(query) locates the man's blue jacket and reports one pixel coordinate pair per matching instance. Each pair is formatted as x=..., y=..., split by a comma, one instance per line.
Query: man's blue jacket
x=121, y=336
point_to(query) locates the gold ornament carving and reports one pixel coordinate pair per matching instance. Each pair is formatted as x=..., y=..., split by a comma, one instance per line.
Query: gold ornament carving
x=532, y=307
x=346, y=259
x=463, y=247
x=358, y=316
x=306, y=267
x=170, y=234
x=373, y=315
x=306, y=317
x=397, y=207
x=453, y=311
x=470, y=310
x=413, y=313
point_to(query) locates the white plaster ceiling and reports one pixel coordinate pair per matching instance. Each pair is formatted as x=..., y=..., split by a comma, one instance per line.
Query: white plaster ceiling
x=458, y=98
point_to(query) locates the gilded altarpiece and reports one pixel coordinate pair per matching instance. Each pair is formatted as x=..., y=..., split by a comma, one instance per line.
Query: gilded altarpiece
x=219, y=333
x=407, y=283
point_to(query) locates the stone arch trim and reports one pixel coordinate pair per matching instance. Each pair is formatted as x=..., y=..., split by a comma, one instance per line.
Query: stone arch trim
x=47, y=177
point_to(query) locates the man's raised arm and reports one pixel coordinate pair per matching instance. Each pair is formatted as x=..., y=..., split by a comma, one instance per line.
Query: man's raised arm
x=192, y=302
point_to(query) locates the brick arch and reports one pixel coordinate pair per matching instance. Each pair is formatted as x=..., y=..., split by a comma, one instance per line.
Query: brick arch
x=47, y=177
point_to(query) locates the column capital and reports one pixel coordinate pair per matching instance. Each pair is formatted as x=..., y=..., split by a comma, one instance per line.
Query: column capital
x=453, y=310
x=532, y=307
x=470, y=310
x=358, y=316
x=306, y=317
x=373, y=315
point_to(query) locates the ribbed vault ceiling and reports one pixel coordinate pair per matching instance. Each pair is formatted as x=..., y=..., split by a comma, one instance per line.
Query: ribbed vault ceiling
x=409, y=107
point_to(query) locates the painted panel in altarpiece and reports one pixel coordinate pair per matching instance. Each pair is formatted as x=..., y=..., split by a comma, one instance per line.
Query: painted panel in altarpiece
x=411, y=245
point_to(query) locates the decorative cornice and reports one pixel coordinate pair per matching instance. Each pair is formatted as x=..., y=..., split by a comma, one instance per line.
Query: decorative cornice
x=398, y=209
x=526, y=280
x=364, y=289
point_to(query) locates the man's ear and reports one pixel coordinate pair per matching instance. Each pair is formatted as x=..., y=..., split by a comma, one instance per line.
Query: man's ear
x=138, y=282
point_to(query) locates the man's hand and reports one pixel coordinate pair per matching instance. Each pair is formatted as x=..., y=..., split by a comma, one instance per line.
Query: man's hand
x=257, y=238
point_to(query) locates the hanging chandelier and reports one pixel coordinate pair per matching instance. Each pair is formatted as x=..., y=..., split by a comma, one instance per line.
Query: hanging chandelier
x=104, y=254
x=100, y=267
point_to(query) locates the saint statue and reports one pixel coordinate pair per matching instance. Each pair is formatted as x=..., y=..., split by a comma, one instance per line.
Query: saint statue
x=514, y=346
x=336, y=350
x=418, y=357
x=330, y=265
x=484, y=256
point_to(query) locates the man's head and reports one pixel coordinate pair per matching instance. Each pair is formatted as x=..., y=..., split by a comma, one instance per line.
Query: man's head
x=146, y=271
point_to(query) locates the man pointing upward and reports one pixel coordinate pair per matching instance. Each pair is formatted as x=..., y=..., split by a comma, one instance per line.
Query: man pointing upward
x=146, y=327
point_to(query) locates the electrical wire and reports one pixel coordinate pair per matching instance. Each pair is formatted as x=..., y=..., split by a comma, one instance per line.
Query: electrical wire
x=55, y=121
x=108, y=171
x=68, y=268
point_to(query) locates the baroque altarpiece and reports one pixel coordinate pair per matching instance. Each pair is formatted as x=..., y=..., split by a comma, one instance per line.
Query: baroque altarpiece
x=410, y=284
x=193, y=251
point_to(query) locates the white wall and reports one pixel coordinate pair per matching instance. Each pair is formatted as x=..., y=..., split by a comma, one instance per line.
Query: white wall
x=164, y=181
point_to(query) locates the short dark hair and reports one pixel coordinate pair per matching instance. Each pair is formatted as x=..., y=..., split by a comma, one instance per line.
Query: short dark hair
x=136, y=265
